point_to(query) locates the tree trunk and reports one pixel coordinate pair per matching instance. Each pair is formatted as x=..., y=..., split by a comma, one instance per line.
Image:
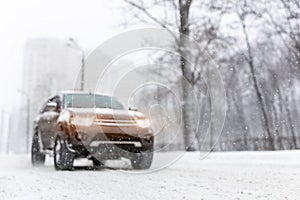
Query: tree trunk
x=187, y=105
x=290, y=118
x=259, y=95
x=187, y=118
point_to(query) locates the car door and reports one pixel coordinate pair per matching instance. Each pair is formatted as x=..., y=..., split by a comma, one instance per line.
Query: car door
x=48, y=122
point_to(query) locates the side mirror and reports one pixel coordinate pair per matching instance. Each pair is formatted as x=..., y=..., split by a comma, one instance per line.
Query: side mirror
x=133, y=109
x=51, y=106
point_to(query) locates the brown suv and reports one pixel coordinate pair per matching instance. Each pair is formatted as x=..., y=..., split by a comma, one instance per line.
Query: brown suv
x=95, y=126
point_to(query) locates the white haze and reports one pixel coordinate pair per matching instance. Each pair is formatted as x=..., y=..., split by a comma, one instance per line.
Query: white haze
x=90, y=22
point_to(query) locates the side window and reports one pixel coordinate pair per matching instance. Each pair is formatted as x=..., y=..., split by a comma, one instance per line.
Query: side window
x=68, y=100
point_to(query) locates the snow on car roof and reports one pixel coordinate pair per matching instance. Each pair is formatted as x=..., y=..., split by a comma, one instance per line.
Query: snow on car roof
x=84, y=92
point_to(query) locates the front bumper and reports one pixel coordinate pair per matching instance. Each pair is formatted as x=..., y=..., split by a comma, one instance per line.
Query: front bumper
x=110, y=142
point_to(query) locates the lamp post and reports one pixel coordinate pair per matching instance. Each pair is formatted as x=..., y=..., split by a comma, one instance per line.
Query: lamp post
x=74, y=44
x=27, y=118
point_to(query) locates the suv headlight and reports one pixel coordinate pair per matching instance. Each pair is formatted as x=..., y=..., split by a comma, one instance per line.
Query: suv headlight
x=82, y=121
x=143, y=123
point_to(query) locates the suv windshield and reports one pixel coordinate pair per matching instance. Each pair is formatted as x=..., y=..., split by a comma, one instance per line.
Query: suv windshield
x=91, y=101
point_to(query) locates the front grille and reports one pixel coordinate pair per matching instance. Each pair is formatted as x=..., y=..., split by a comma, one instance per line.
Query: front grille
x=105, y=143
x=116, y=137
x=115, y=122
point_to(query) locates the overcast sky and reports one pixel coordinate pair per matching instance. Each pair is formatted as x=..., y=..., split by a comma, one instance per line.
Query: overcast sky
x=89, y=21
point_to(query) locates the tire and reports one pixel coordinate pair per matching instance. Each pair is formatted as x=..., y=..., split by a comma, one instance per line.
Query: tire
x=63, y=157
x=142, y=160
x=37, y=157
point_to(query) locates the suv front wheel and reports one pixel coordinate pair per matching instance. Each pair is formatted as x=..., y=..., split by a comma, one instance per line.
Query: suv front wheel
x=141, y=160
x=63, y=157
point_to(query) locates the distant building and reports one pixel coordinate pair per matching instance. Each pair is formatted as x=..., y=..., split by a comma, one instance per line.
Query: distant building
x=4, y=130
x=49, y=66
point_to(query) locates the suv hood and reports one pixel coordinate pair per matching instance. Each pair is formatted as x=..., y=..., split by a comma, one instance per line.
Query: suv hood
x=107, y=113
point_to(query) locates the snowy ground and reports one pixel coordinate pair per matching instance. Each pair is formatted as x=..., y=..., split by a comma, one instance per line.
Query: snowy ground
x=239, y=175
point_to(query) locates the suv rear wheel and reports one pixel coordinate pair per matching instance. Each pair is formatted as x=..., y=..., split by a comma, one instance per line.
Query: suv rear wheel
x=37, y=157
x=63, y=157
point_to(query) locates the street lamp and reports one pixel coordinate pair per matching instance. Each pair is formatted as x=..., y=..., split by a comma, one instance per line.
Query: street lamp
x=27, y=118
x=74, y=44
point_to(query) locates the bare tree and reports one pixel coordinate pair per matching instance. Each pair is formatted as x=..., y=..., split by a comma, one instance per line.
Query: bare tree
x=243, y=10
x=182, y=20
x=255, y=67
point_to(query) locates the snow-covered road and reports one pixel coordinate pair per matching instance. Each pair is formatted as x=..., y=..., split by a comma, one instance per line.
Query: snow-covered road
x=240, y=175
